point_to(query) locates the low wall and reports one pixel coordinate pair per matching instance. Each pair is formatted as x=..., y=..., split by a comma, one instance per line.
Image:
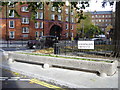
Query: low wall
x=104, y=68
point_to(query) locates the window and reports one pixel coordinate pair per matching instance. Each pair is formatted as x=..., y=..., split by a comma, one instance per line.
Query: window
x=11, y=34
x=53, y=17
x=109, y=16
x=25, y=30
x=72, y=34
x=41, y=24
x=106, y=20
x=92, y=20
x=96, y=20
x=102, y=20
x=11, y=24
x=25, y=35
x=66, y=11
x=72, y=13
x=66, y=19
x=66, y=34
x=11, y=4
x=36, y=25
x=99, y=20
x=41, y=33
x=25, y=20
x=59, y=17
x=96, y=16
x=66, y=26
x=59, y=10
x=36, y=15
x=103, y=16
x=24, y=9
x=72, y=27
x=52, y=8
x=41, y=15
x=109, y=20
x=72, y=19
x=36, y=34
x=41, y=6
x=11, y=13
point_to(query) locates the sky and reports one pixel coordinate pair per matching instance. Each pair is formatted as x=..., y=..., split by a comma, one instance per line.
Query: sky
x=98, y=6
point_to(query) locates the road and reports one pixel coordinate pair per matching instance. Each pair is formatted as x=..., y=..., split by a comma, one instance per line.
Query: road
x=9, y=79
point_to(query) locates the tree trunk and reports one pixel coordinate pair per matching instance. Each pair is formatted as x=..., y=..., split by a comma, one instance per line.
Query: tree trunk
x=116, y=36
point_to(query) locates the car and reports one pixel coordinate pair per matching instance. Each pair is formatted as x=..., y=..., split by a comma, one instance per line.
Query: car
x=98, y=41
x=42, y=42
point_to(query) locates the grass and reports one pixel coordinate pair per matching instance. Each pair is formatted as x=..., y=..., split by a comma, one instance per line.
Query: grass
x=67, y=57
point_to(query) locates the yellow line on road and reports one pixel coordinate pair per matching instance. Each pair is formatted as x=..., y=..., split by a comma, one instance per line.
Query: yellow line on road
x=45, y=84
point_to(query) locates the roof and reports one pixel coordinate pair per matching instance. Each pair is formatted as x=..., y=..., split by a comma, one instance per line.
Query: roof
x=101, y=12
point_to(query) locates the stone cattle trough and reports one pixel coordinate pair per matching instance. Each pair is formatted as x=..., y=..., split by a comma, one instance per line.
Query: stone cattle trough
x=104, y=67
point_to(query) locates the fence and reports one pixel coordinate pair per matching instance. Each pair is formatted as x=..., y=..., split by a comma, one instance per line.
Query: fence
x=101, y=49
x=11, y=43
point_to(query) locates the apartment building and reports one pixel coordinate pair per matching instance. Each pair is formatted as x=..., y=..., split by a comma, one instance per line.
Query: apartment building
x=103, y=19
x=48, y=21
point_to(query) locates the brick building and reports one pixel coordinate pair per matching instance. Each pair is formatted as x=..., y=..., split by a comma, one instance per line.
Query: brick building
x=48, y=21
x=103, y=19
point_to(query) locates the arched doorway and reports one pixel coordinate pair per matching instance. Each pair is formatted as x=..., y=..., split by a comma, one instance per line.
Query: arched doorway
x=56, y=31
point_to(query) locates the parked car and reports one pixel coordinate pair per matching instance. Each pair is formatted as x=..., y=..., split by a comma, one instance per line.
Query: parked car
x=42, y=42
x=98, y=41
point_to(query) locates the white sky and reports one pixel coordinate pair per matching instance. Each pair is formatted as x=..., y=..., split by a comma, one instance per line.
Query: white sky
x=98, y=6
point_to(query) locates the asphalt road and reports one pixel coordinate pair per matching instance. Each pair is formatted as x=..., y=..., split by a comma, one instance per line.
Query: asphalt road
x=11, y=79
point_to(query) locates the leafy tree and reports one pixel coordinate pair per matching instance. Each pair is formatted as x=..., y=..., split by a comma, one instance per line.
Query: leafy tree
x=86, y=27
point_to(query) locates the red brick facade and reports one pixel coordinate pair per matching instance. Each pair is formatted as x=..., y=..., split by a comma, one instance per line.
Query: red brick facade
x=16, y=29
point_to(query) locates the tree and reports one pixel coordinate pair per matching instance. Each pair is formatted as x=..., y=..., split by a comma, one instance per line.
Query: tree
x=86, y=27
x=116, y=32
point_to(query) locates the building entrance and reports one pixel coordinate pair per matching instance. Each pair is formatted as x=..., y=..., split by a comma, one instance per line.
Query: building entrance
x=56, y=31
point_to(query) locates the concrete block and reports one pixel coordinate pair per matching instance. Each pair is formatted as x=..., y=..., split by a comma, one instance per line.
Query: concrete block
x=104, y=68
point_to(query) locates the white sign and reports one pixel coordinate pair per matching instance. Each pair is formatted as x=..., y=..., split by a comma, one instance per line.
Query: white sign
x=85, y=44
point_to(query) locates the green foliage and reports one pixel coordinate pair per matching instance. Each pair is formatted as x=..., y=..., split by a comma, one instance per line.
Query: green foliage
x=87, y=28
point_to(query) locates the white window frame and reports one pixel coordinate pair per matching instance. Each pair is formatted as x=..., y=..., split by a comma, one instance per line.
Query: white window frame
x=41, y=33
x=72, y=19
x=72, y=27
x=66, y=11
x=25, y=20
x=36, y=15
x=13, y=26
x=66, y=26
x=12, y=14
x=53, y=17
x=36, y=34
x=52, y=8
x=72, y=12
x=41, y=6
x=24, y=9
x=67, y=19
x=36, y=25
x=41, y=15
x=72, y=34
x=25, y=31
x=12, y=36
x=66, y=34
x=59, y=17
x=41, y=25
x=59, y=10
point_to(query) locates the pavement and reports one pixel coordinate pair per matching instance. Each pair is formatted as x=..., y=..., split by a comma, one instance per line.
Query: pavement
x=65, y=77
